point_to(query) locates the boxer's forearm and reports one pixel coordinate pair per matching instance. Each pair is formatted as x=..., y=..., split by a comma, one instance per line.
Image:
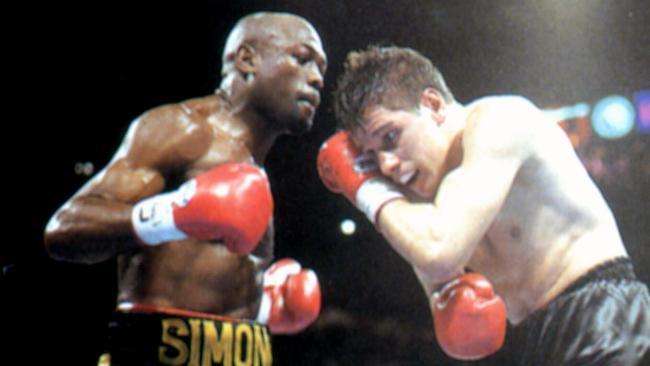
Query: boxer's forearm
x=416, y=233
x=90, y=230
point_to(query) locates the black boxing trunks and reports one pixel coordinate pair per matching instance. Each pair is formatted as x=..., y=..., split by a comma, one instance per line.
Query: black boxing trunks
x=603, y=318
x=152, y=336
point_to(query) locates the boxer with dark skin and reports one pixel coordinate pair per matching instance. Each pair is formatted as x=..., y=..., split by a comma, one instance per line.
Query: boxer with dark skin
x=272, y=75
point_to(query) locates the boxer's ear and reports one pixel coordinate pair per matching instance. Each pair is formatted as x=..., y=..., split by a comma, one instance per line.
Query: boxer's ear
x=246, y=60
x=434, y=102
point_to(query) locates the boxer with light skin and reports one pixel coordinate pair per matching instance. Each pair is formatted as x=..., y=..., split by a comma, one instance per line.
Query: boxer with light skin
x=495, y=187
x=184, y=204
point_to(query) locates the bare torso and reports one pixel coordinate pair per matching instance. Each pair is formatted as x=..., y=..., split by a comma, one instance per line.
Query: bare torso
x=195, y=276
x=164, y=148
x=552, y=228
x=200, y=276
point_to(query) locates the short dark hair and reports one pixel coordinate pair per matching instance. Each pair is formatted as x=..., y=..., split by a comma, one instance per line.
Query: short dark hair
x=393, y=77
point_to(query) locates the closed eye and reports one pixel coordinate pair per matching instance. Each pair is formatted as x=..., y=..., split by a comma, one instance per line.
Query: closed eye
x=303, y=54
x=302, y=59
x=306, y=54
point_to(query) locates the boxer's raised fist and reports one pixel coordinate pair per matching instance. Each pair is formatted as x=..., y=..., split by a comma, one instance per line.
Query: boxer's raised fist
x=344, y=169
x=231, y=202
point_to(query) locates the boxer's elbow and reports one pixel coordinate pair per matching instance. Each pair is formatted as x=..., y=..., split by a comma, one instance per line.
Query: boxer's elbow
x=53, y=238
x=66, y=251
x=56, y=250
x=61, y=244
x=58, y=246
x=437, y=262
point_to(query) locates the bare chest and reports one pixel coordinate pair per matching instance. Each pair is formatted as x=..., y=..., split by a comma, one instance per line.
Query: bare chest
x=526, y=250
x=222, y=149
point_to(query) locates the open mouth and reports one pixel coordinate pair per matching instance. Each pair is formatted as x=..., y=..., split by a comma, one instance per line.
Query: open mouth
x=408, y=178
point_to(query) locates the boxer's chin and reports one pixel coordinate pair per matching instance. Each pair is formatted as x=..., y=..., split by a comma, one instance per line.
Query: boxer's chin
x=300, y=126
x=419, y=193
x=416, y=197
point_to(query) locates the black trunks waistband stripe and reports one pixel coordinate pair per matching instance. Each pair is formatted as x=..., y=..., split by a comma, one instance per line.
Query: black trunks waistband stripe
x=146, y=334
x=616, y=269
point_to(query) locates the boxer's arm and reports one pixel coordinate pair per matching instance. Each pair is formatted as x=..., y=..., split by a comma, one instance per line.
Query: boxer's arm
x=439, y=238
x=95, y=224
x=431, y=285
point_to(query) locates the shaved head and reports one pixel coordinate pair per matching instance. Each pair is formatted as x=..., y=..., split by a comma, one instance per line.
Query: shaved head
x=264, y=29
x=274, y=63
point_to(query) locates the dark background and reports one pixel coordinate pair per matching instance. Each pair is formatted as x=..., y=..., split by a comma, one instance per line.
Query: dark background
x=80, y=74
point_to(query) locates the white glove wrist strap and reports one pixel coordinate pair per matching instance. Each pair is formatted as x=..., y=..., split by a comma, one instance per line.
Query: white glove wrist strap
x=374, y=194
x=265, y=309
x=153, y=219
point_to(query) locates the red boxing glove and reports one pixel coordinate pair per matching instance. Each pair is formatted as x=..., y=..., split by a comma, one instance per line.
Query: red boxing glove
x=469, y=318
x=231, y=202
x=344, y=169
x=291, y=299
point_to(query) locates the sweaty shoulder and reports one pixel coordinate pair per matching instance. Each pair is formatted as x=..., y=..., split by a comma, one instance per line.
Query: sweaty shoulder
x=171, y=135
x=502, y=124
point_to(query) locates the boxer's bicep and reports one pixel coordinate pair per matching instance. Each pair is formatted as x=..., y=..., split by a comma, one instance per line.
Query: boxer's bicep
x=421, y=234
x=132, y=174
x=124, y=182
x=95, y=223
x=163, y=140
x=467, y=203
